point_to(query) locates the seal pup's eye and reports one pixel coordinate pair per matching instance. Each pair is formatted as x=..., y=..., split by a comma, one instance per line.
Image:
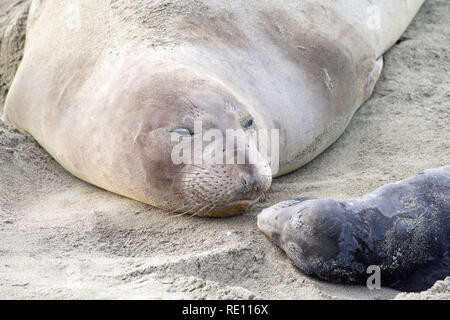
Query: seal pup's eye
x=184, y=132
x=249, y=124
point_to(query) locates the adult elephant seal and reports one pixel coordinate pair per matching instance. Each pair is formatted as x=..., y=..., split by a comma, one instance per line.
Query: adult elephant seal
x=104, y=85
x=403, y=228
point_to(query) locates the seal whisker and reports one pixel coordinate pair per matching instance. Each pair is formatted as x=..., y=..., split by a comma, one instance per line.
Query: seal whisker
x=201, y=168
x=212, y=208
x=188, y=199
x=193, y=189
x=185, y=172
x=177, y=200
x=182, y=207
x=186, y=212
x=205, y=207
x=181, y=191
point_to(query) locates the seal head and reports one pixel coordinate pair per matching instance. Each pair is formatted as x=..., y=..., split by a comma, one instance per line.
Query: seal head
x=191, y=138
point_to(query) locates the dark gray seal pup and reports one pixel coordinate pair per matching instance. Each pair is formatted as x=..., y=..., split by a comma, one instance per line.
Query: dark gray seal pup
x=403, y=227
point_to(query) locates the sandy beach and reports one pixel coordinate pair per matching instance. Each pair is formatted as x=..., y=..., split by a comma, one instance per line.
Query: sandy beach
x=61, y=238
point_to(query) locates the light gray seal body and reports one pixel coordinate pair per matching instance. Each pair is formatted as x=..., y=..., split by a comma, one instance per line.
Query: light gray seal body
x=104, y=84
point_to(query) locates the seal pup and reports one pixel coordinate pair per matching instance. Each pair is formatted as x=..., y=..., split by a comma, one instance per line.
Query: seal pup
x=104, y=85
x=403, y=228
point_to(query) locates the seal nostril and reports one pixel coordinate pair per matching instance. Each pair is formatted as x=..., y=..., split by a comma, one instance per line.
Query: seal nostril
x=243, y=186
x=251, y=185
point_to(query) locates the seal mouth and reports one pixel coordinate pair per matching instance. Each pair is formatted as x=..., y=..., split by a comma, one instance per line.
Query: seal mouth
x=247, y=202
x=232, y=208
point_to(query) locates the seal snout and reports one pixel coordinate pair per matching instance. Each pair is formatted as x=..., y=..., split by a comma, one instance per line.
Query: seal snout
x=251, y=185
x=273, y=220
x=220, y=190
x=239, y=186
x=248, y=187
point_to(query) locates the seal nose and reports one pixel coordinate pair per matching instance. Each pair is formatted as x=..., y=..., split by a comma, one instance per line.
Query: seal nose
x=244, y=186
x=252, y=184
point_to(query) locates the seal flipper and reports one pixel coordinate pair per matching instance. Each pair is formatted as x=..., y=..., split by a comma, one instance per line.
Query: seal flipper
x=373, y=78
x=426, y=276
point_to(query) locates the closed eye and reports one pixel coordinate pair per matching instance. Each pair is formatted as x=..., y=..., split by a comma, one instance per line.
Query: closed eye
x=249, y=124
x=184, y=132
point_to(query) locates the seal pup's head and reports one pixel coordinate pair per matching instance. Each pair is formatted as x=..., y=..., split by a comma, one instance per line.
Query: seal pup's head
x=309, y=231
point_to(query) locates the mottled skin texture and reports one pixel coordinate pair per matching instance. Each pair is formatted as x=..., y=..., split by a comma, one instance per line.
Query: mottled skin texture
x=403, y=227
x=104, y=83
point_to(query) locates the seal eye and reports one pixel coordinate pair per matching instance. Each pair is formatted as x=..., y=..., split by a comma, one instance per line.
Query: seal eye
x=184, y=132
x=249, y=124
